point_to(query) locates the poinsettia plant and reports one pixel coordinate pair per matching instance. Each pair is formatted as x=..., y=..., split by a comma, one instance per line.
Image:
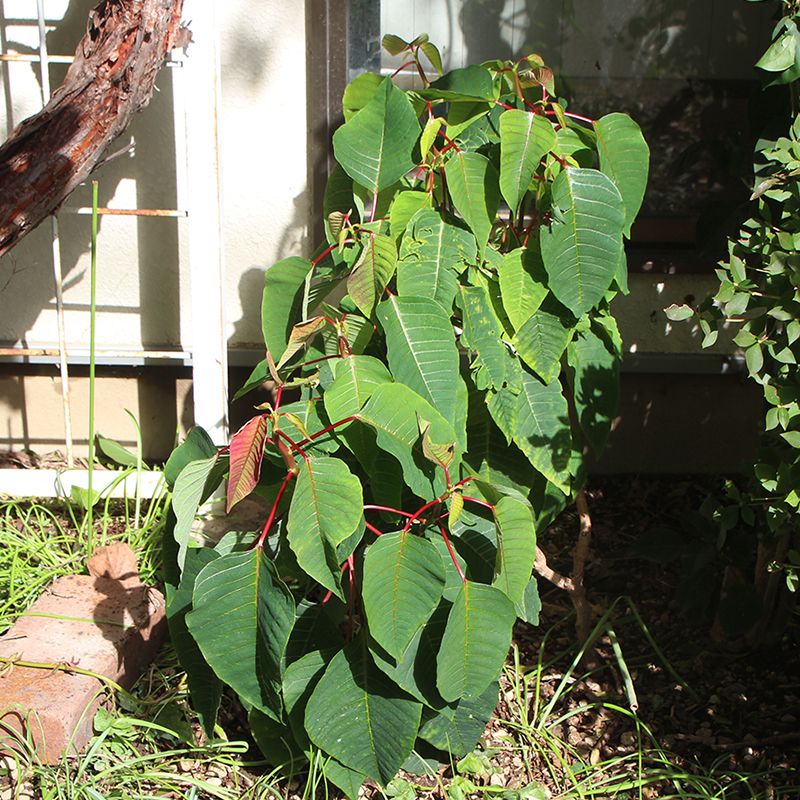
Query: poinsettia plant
x=441, y=364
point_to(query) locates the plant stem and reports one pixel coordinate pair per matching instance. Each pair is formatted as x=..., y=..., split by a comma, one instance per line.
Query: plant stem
x=274, y=510
x=569, y=114
x=389, y=509
x=287, y=457
x=92, y=321
x=418, y=513
x=478, y=502
x=373, y=529
x=543, y=568
x=580, y=556
x=450, y=550
x=325, y=430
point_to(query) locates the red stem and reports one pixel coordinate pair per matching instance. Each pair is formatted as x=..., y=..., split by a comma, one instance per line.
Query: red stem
x=317, y=360
x=351, y=596
x=559, y=159
x=278, y=397
x=294, y=445
x=389, y=509
x=373, y=529
x=569, y=114
x=402, y=67
x=477, y=502
x=452, y=553
x=504, y=105
x=450, y=142
x=274, y=510
x=464, y=480
x=328, y=429
x=420, y=511
x=329, y=250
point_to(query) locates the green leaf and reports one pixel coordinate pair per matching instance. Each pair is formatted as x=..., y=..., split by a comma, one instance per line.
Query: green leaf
x=275, y=740
x=372, y=272
x=581, y=254
x=315, y=628
x=358, y=715
x=326, y=508
x=432, y=255
x=523, y=284
x=432, y=52
x=625, y=158
x=516, y=548
x=403, y=582
x=792, y=437
x=524, y=139
x=376, y=147
x=475, y=641
x=678, y=313
x=393, y=45
x=542, y=430
x=299, y=680
x=541, y=341
x=246, y=451
x=257, y=377
x=439, y=453
x=422, y=350
x=473, y=185
x=241, y=620
x=205, y=688
x=300, y=335
x=457, y=729
x=359, y=92
x=429, y=134
x=596, y=363
x=347, y=780
x=404, y=206
x=196, y=447
x=356, y=378
x=531, y=604
x=490, y=455
x=190, y=488
x=415, y=670
x=280, y=304
x=336, y=202
x=459, y=85
x=754, y=358
x=482, y=334
x=115, y=452
x=393, y=411
x=781, y=53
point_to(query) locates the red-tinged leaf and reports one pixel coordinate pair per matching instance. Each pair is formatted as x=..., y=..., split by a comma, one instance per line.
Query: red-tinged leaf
x=247, y=450
x=301, y=334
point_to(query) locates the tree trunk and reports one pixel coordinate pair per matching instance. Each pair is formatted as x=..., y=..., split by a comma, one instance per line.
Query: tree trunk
x=111, y=78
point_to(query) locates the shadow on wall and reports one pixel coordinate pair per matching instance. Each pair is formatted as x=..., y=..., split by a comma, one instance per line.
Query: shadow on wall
x=149, y=172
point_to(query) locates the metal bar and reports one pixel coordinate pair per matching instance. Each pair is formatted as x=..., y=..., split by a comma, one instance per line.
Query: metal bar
x=126, y=212
x=40, y=352
x=29, y=58
x=198, y=92
x=44, y=71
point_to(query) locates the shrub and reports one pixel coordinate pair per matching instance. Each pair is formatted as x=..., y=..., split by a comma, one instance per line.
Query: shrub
x=441, y=365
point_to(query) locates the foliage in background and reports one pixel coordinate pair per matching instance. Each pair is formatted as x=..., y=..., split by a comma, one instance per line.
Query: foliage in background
x=759, y=292
x=442, y=366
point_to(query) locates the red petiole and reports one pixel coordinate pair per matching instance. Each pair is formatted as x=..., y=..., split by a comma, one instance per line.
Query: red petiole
x=274, y=510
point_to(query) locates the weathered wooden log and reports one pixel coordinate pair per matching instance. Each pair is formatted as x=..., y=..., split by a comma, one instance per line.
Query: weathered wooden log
x=111, y=78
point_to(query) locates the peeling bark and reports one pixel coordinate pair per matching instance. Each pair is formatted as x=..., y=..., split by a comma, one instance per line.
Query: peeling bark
x=111, y=78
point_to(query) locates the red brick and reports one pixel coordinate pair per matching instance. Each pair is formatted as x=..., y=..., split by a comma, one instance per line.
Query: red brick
x=112, y=626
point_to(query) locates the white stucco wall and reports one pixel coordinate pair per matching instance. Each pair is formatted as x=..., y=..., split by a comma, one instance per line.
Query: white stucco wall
x=143, y=285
